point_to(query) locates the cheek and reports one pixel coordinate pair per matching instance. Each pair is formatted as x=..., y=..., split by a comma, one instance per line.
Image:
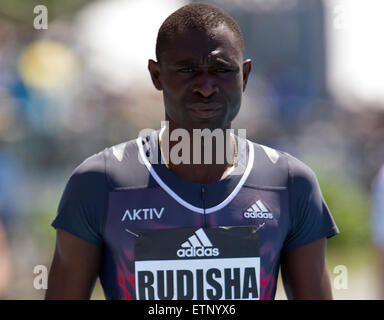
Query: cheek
x=232, y=86
x=234, y=94
x=173, y=103
x=172, y=97
x=234, y=97
x=173, y=88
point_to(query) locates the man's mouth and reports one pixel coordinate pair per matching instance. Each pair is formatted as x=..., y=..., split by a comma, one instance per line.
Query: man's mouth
x=204, y=111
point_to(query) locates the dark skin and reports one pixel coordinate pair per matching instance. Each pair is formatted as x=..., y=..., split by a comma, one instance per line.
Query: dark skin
x=74, y=268
x=305, y=274
x=202, y=77
x=202, y=88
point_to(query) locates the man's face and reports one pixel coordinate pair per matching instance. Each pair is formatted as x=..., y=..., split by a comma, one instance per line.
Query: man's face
x=202, y=77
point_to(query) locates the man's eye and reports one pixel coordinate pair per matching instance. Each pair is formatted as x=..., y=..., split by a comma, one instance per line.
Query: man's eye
x=222, y=70
x=186, y=70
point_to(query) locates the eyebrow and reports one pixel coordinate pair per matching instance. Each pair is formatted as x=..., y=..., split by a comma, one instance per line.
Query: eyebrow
x=225, y=62
x=217, y=61
x=185, y=62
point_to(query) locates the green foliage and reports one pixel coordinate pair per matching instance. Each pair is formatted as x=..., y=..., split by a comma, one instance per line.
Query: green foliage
x=349, y=203
x=41, y=218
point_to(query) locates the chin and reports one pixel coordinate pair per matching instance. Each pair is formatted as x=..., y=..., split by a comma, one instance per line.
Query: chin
x=210, y=126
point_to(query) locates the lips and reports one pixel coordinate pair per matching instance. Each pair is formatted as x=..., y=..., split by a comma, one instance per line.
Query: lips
x=205, y=111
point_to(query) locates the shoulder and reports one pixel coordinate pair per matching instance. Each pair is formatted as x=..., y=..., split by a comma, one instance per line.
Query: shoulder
x=301, y=175
x=99, y=168
x=89, y=173
x=124, y=165
x=276, y=168
x=108, y=160
x=121, y=165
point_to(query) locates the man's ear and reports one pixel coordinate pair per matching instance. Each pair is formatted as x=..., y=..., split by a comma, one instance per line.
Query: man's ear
x=154, y=70
x=247, y=67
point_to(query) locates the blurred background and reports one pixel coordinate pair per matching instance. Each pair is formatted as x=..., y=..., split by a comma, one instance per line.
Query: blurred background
x=80, y=85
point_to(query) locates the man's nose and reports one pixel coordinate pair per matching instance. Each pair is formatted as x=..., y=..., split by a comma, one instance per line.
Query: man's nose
x=205, y=85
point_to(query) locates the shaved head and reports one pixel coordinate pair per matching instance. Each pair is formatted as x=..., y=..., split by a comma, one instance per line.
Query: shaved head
x=198, y=16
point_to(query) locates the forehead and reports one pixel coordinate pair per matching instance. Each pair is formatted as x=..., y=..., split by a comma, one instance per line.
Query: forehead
x=197, y=45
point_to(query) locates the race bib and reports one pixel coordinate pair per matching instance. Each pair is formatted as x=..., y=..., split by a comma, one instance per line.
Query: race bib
x=197, y=263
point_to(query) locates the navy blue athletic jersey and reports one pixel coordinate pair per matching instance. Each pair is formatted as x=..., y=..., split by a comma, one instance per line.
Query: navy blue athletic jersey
x=167, y=238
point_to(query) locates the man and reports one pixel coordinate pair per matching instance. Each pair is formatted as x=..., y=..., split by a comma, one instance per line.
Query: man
x=169, y=230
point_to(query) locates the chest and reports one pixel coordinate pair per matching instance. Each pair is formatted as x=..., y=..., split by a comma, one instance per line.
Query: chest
x=154, y=236
x=130, y=211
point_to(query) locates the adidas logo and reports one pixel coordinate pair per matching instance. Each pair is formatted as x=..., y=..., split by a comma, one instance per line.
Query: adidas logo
x=258, y=210
x=197, y=245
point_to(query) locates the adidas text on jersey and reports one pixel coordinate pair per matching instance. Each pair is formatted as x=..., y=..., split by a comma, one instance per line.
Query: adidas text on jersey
x=258, y=210
x=198, y=245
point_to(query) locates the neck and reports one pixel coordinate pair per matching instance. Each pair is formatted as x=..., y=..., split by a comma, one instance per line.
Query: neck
x=198, y=158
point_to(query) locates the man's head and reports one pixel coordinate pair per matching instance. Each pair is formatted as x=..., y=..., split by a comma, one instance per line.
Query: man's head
x=198, y=16
x=200, y=67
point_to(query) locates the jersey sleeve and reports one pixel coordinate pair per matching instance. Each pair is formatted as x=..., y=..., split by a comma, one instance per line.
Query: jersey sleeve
x=82, y=206
x=377, y=218
x=311, y=219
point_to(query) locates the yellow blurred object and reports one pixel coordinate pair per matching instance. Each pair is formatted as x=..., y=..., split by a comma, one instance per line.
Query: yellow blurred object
x=47, y=65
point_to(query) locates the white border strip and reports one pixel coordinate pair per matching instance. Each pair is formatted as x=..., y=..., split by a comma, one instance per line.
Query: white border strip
x=236, y=190
x=185, y=203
